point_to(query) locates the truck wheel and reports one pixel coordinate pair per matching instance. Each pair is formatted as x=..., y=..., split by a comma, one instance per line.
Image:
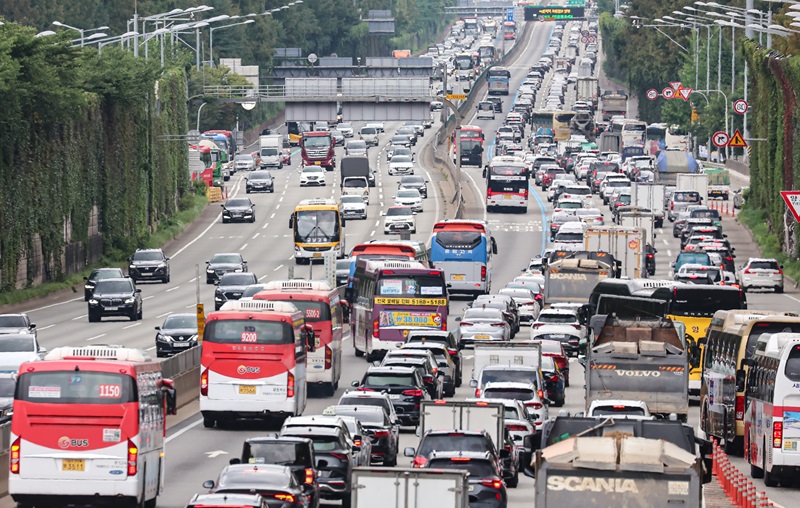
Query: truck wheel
x=514, y=480
x=359, y=353
x=208, y=422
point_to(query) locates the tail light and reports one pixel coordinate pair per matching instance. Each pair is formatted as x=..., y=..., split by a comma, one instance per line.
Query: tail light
x=540, y=393
x=310, y=476
x=204, y=383
x=495, y=483
x=427, y=379
x=339, y=456
x=328, y=358
x=357, y=442
x=288, y=498
x=413, y=393
x=533, y=405
x=477, y=392
x=516, y=428
x=537, y=297
x=483, y=273
x=555, y=378
x=537, y=325
x=289, y=385
x=672, y=206
x=376, y=328
x=452, y=352
x=419, y=461
x=739, y=407
x=777, y=434
x=577, y=327
x=133, y=458
x=381, y=433
x=13, y=459
x=465, y=323
x=499, y=325
x=365, y=389
x=779, y=272
x=649, y=256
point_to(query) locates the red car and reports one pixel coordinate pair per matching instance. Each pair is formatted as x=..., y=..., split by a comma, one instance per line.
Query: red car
x=286, y=157
x=555, y=350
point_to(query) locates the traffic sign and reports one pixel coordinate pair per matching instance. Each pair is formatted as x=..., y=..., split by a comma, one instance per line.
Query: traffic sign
x=201, y=320
x=509, y=14
x=668, y=93
x=792, y=199
x=584, y=39
x=740, y=106
x=685, y=93
x=676, y=85
x=737, y=140
x=720, y=139
x=652, y=94
x=456, y=96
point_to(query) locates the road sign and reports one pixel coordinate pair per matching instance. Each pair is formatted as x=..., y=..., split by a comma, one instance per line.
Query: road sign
x=737, y=140
x=456, y=96
x=201, y=320
x=720, y=139
x=676, y=85
x=741, y=106
x=685, y=93
x=584, y=39
x=592, y=39
x=509, y=14
x=668, y=93
x=652, y=94
x=792, y=199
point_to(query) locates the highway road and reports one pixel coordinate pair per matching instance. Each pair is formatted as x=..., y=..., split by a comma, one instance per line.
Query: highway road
x=196, y=454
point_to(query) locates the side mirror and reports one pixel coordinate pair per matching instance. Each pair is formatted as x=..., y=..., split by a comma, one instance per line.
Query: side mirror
x=234, y=461
x=216, y=282
x=311, y=341
x=473, y=383
x=33, y=325
x=42, y=350
x=158, y=328
x=458, y=320
x=354, y=384
x=171, y=395
x=291, y=221
x=209, y=484
x=409, y=452
x=86, y=278
x=138, y=290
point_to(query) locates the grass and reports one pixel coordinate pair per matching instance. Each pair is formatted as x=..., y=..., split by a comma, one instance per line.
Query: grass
x=768, y=244
x=192, y=207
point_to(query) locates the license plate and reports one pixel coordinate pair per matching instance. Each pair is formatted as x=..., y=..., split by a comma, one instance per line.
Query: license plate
x=457, y=276
x=247, y=390
x=394, y=395
x=73, y=465
x=317, y=255
x=111, y=308
x=181, y=344
x=147, y=274
x=317, y=163
x=508, y=196
x=483, y=337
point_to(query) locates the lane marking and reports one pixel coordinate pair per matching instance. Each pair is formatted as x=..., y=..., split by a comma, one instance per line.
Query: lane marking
x=44, y=327
x=172, y=289
x=80, y=317
x=132, y=326
x=96, y=337
x=277, y=268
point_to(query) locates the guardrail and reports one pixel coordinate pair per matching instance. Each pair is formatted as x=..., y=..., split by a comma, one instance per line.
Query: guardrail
x=289, y=93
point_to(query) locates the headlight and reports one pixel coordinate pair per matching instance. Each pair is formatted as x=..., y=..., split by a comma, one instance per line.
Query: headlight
x=218, y=298
x=164, y=338
x=93, y=302
x=162, y=265
x=193, y=337
x=132, y=266
x=130, y=300
x=87, y=286
x=209, y=270
x=238, y=270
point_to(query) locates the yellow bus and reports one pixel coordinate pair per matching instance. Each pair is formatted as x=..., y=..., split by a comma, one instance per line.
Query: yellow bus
x=318, y=228
x=561, y=128
x=732, y=337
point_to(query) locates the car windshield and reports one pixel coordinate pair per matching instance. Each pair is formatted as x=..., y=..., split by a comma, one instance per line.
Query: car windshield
x=343, y=264
x=412, y=180
x=251, y=290
x=312, y=169
x=345, y=126
x=368, y=130
x=398, y=211
x=105, y=274
x=275, y=452
x=260, y=175
x=237, y=279
x=7, y=386
x=557, y=318
x=618, y=410
x=495, y=375
x=226, y=258
x=408, y=193
x=11, y=321
x=352, y=199
x=569, y=237
x=180, y=321
x=754, y=265
x=453, y=441
x=113, y=286
x=401, y=159
x=487, y=314
x=388, y=380
x=508, y=393
x=354, y=145
x=237, y=203
x=244, y=158
x=16, y=344
x=148, y=256
x=370, y=418
x=475, y=468
x=355, y=182
x=364, y=401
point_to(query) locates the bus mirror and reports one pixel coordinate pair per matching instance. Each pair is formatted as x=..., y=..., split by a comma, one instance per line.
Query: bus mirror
x=311, y=342
x=748, y=362
x=234, y=461
x=291, y=221
x=740, y=377
x=494, y=246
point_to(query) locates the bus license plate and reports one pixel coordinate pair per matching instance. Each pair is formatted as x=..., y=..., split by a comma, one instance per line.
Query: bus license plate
x=247, y=390
x=507, y=196
x=73, y=464
x=457, y=276
x=317, y=255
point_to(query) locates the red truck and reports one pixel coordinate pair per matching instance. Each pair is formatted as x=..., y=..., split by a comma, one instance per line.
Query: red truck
x=317, y=150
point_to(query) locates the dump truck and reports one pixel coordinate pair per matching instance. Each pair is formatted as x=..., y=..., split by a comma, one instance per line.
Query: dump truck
x=614, y=102
x=570, y=280
x=626, y=245
x=409, y=488
x=671, y=163
x=587, y=90
x=639, y=359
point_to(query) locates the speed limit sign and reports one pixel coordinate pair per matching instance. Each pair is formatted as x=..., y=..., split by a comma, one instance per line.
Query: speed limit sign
x=720, y=139
x=652, y=94
x=584, y=39
x=668, y=93
x=741, y=106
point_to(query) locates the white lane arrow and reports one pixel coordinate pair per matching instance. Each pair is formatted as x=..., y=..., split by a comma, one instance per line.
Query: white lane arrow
x=212, y=455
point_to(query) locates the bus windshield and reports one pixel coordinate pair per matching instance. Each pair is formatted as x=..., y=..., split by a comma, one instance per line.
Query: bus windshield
x=761, y=328
x=317, y=226
x=76, y=387
x=463, y=62
x=703, y=302
x=410, y=285
x=248, y=331
x=467, y=240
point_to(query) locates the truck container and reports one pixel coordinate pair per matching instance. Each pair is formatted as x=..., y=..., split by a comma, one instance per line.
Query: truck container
x=638, y=359
x=693, y=182
x=626, y=245
x=270, y=150
x=640, y=220
x=587, y=90
x=585, y=68
x=409, y=488
x=462, y=415
x=671, y=163
x=609, y=142
x=648, y=195
x=352, y=166
x=570, y=280
x=512, y=354
x=613, y=103
x=719, y=182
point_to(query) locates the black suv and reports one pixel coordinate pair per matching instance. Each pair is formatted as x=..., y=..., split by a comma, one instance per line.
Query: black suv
x=115, y=297
x=177, y=334
x=404, y=383
x=442, y=337
x=297, y=453
x=414, y=182
x=453, y=441
x=223, y=263
x=99, y=274
x=148, y=264
x=382, y=433
x=231, y=286
x=486, y=487
x=260, y=181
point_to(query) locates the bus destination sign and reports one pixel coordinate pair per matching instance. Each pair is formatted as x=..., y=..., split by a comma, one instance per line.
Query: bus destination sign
x=551, y=12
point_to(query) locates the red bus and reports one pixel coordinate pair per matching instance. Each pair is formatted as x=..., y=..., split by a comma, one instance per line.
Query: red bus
x=322, y=309
x=89, y=425
x=253, y=362
x=377, y=250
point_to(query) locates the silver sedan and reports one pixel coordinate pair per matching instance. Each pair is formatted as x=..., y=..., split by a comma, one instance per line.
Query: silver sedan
x=482, y=325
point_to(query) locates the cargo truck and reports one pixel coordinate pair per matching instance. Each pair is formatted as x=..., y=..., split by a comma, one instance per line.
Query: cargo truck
x=270, y=150
x=353, y=166
x=626, y=245
x=587, y=90
x=461, y=415
x=650, y=196
x=719, y=183
x=672, y=163
x=638, y=359
x=693, y=182
x=614, y=103
x=512, y=355
x=570, y=280
x=409, y=488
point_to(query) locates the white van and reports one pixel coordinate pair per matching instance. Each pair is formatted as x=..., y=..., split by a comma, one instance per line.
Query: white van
x=570, y=236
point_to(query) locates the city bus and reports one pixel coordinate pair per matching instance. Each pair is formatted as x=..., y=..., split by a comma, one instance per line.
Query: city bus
x=772, y=409
x=509, y=30
x=393, y=297
x=499, y=79
x=464, y=66
x=317, y=227
x=561, y=125
x=89, y=425
x=471, y=142
x=487, y=53
x=402, y=250
x=507, y=184
x=471, y=26
x=732, y=338
x=464, y=250
x=253, y=362
x=633, y=133
x=321, y=306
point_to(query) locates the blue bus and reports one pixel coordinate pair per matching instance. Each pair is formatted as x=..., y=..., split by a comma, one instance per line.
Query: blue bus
x=463, y=250
x=499, y=80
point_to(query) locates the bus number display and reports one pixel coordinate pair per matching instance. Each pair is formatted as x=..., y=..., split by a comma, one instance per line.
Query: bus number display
x=109, y=391
x=312, y=313
x=249, y=337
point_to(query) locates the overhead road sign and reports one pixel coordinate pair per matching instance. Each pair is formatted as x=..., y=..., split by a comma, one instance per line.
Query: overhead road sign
x=668, y=93
x=740, y=106
x=510, y=14
x=553, y=12
x=792, y=199
x=737, y=140
x=720, y=139
x=652, y=94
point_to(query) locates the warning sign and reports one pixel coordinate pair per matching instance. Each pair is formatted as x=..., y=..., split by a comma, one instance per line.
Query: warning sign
x=737, y=140
x=792, y=199
x=685, y=93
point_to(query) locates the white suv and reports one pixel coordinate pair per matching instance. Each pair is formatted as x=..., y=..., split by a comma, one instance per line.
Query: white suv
x=762, y=273
x=399, y=219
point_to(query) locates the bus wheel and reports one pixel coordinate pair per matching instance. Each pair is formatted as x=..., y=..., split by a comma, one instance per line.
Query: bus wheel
x=329, y=389
x=359, y=353
x=770, y=480
x=208, y=422
x=734, y=447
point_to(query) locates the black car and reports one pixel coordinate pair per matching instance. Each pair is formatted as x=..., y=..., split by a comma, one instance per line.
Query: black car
x=442, y=337
x=334, y=460
x=272, y=482
x=148, y=264
x=486, y=486
x=444, y=362
x=238, y=209
x=260, y=181
x=99, y=274
x=115, y=297
x=453, y=441
x=296, y=453
x=498, y=103
x=231, y=286
x=176, y=334
x=409, y=131
x=222, y=263
x=384, y=436
x=414, y=182
x=403, y=382
x=401, y=139
x=433, y=383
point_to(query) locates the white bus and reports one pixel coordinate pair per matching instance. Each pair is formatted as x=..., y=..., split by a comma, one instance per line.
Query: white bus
x=772, y=409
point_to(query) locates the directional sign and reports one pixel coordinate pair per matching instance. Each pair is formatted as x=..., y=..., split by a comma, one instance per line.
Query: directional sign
x=676, y=85
x=792, y=199
x=456, y=96
x=668, y=93
x=720, y=139
x=509, y=14
x=737, y=140
x=652, y=94
x=684, y=93
x=741, y=106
